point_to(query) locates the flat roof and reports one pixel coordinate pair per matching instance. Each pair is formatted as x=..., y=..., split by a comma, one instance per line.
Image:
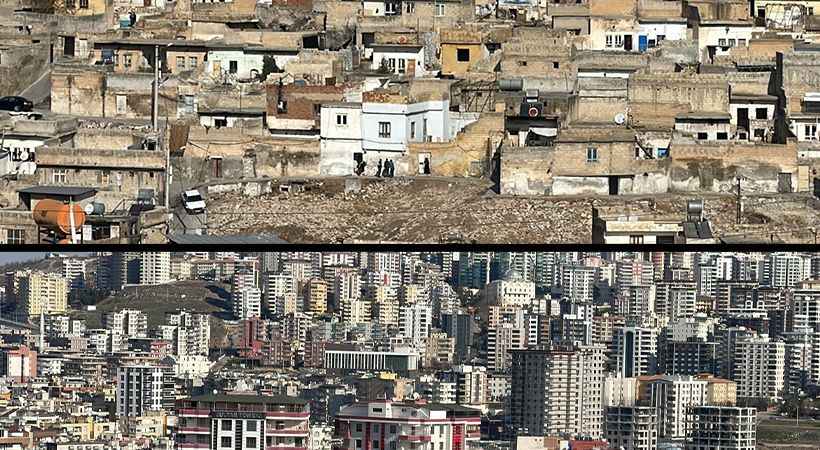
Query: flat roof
x=59, y=191
x=248, y=398
x=198, y=239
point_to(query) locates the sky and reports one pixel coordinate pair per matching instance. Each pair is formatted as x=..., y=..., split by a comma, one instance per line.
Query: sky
x=9, y=257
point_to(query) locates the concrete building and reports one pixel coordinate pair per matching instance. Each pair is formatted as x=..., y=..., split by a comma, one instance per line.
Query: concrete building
x=242, y=422
x=557, y=392
x=510, y=293
x=386, y=424
x=155, y=268
x=759, y=368
x=631, y=427
x=636, y=351
x=352, y=360
x=673, y=397
x=139, y=389
x=44, y=293
x=131, y=323
x=723, y=427
x=18, y=365
x=247, y=303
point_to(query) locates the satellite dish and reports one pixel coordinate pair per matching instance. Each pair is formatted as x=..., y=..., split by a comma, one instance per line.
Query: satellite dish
x=24, y=155
x=89, y=209
x=620, y=118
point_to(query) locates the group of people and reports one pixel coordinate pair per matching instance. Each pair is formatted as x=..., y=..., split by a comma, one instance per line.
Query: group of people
x=387, y=170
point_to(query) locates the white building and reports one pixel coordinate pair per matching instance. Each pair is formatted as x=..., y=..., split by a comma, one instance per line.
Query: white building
x=620, y=391
x=636, y=351
x=341, y=138
x=673, y=396
x=415, y=321
x=74, y=270
x=407, y=425
x=130, y=323
x=510, y=293
x=190, y=333
x=759, y=368
x=155, y=268
x=399, y=59
x=139, y=390
x=247, y=303
x=784, y=270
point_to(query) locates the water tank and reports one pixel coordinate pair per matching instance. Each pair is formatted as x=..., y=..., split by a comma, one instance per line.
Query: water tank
x=512, y=84
x=694, y=210
x=56, y=215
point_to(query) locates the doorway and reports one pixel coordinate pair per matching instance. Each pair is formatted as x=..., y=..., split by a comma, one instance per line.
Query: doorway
x=628, y=42
x=613, y=185
x=425, y=161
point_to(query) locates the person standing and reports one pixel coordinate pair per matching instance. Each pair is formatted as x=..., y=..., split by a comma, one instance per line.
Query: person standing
x=379, y=169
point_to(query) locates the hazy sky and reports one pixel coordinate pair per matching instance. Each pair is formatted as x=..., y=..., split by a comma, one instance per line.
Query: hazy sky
x=7, y=257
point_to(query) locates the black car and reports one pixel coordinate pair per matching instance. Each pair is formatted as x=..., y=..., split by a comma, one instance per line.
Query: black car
x=15, y=103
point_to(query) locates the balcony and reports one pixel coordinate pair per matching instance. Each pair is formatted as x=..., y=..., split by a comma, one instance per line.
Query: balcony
x=288, y=432
x=415, y=438
x=205, y=430
x=194, y=413
x=192, y=445
x=287, y=415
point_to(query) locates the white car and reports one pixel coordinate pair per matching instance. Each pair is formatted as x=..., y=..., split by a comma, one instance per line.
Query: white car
x=193, y=202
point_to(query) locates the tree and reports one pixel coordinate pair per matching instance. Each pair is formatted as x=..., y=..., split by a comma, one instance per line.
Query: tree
x=268, y=67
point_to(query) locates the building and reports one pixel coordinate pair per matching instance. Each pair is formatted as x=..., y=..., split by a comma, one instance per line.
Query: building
x=636, y=351
x=631, y=427
x=673, y=396
x=131, y=323
x=716, y=427
x=351, y=360
x=139, y=389
x=760, y=368
x=557, y=392
x=155, y=268
x=44, y=293
x=18, y=365
x=189, y=332
x=247, y=303
x=242, y=422
x=389, y=425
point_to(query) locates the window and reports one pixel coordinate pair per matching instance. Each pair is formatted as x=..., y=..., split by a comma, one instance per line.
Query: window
x=375, y=444
x=390, y=8
x=660, y=37
x=358, y=443
x=741, y=42
x=282, y=107
x=759, y=133
x=439, y=9
x=104, y=177
x=126, y=61
x=341, y=119
x=402, y=65
x=70, y=4
x=810, y=132
x=250, y=426
x=15, y=236
x=722, y=42
x=359, y=430
x=391, y=64
x=83, y=4
x=122, y=104
x=731, y=42
x=555, y=65
x=227, y=425
x=250, y=442
x=463, y=55
x=384, y=129
x=192, y=62
x=412, y=130
x=635, y=239
x=760, y=113
x=703, y=136
x=592, y=154
x=522, y=63
x=722, y=136
x=233, y=66
x=180, y=63
x=609, y=41
x=226, y=442
x=392, y=429
x=409, y=7
x=811, y=11
x=59, y=176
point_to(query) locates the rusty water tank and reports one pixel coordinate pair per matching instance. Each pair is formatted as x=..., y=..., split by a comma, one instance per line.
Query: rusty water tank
x=56, y=215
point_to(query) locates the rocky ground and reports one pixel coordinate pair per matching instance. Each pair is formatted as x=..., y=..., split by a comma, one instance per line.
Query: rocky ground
x=434, y=210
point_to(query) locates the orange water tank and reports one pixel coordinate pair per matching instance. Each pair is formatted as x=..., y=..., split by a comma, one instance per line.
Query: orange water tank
x=56, y=215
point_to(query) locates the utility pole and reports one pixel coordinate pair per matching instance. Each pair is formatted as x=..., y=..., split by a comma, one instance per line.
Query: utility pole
x=737, y=202
x=155, y=106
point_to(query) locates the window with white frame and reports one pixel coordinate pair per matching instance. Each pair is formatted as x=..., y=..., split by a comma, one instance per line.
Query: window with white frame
x=409, y=7
x=341, y=120
x=614, y=41
x=402, y=65
x=59, y=176
x=439, y=9
x=810, y=132
x=15, y=236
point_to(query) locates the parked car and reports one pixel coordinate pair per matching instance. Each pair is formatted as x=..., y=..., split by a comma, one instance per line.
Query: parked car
x=15, y=103
x=193, y=202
